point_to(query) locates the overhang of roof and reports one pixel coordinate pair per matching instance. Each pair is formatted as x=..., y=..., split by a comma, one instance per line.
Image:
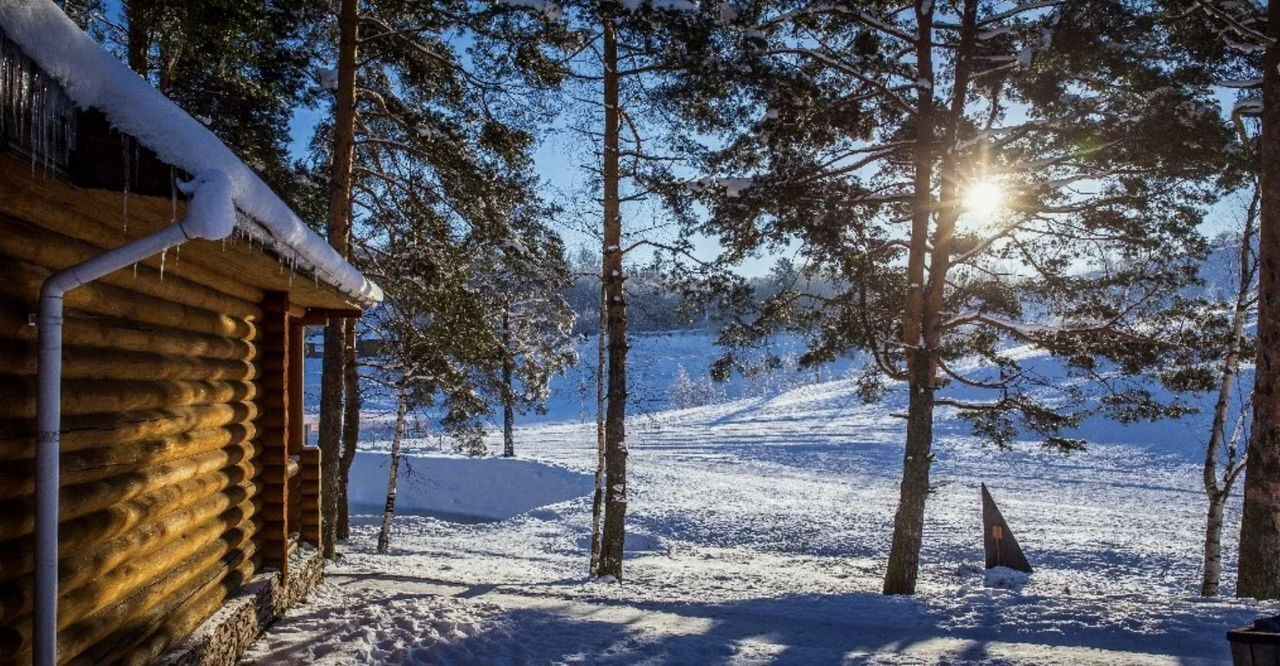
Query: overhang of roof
x=110, y=219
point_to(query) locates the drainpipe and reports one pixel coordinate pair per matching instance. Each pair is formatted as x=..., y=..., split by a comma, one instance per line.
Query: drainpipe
x=211, y=216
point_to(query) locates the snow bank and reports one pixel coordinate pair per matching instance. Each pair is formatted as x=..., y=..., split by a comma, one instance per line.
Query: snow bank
x=461, y=488
x=93, y=78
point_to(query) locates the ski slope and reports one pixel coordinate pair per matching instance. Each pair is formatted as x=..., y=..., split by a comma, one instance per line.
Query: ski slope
x=757, y=533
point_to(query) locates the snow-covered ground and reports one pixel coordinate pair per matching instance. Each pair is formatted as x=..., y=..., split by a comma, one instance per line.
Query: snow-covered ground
x=757, y=533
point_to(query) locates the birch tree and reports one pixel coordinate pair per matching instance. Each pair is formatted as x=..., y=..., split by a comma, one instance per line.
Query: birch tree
x=970, y=174
x=1224, y=459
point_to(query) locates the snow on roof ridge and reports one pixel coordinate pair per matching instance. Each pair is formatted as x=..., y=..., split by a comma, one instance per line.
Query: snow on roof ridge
x=92, y=77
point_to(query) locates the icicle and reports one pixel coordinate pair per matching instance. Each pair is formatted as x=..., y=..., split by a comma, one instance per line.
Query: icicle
x=135, y=270
x=162, y=255
x=35, y=113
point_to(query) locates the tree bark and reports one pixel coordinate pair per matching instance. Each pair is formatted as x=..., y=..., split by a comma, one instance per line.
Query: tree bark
x=331, y=382
x=508, y=398
x=1258, y=573
x=597, y=499
x=393, y=475
x=1209, y=585
x=908, y=522
x=351, y=406
x=613, y=534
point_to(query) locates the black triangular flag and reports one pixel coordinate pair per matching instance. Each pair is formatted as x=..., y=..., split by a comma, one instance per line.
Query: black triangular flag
x=997, y=539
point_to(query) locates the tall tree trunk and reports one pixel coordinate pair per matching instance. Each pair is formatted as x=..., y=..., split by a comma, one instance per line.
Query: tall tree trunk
x=393, y=475
x=908, y=522
x=331, y=381
x=1215, y=491
x=597, y=499
x=351, y=406
x=1259, y=566
x=508, y=397
x=613, y=534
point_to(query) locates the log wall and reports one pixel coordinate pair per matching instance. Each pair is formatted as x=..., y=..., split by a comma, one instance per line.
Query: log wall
x=177, y=448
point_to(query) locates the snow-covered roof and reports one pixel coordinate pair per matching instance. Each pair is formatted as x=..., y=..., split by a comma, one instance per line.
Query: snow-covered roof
x=93, y=78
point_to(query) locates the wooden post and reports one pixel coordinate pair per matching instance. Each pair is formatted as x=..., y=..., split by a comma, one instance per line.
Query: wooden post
x=274, y=371
x=309, y=501
x=295, y=434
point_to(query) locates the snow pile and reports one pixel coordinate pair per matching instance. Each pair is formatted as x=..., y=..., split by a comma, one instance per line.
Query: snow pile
x=93, y=78
x=463, y=489
x=364, y=626
x=1005, y=578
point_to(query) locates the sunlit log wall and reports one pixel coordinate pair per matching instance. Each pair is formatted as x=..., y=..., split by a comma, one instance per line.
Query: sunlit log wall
x=176, y=446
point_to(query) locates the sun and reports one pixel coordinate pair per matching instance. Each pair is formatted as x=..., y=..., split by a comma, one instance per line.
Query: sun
x=983, y=200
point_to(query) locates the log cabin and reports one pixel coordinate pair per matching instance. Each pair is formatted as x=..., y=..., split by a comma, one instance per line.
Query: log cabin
x=157, y=499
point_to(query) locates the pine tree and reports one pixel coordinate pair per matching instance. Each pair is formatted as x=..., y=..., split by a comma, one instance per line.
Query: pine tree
x=523, y=286
x=622, y=46
x=333, y=375
x=923, y=160
x=440, y=100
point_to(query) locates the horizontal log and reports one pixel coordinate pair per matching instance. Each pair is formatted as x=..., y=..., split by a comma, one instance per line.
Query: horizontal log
x=91, y=464
x=85, y=215
x=98, y=396
x=147, y=605
x=274, y=494
x=115, y=585
x=17, y=516
x=102, y=334
x=19, y=358
x=77, y=564
x=54, y=251
x=234, y=266
x=189, y=616
x=110, y=429
x=120, y=626
x=21, y=283
x=77, y=580
x=17, y=477
x=272, y=419
x=101, y=525
x=109, y=587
